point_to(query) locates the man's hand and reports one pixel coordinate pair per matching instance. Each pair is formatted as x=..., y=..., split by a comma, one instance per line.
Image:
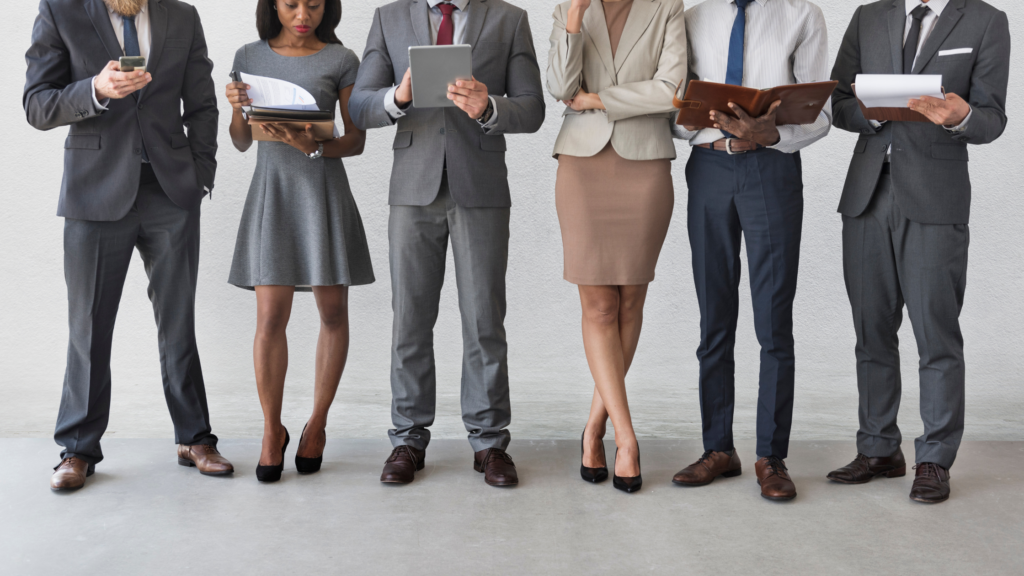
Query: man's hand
x=403, y=95
x=949, y=112
x=237, y=95
x=112, y=83
x=760, y=130
x=302, y=140
x=470, y=95
x=584, y=100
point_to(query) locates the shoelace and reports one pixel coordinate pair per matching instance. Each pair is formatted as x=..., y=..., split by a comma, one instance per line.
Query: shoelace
x=775, y=465
x=494, y=453
x=400, y=450
x=705, y=456
x=68, y=463
x=928, y=469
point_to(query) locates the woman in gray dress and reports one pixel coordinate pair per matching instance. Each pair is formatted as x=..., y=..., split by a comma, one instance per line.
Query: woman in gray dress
x=300, y=227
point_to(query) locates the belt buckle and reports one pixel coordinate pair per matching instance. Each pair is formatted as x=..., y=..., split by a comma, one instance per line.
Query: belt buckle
x=728, y=147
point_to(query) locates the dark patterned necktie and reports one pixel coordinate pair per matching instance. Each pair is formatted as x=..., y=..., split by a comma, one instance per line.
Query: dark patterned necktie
x=910, y=46
x=131, y=48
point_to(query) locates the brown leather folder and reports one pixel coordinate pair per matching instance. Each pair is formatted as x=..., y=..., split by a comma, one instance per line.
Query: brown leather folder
x=801, y=103
x=322, y=130
x=889, y=114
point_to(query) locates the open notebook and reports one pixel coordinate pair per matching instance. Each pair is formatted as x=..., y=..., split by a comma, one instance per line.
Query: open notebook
x=283, y=102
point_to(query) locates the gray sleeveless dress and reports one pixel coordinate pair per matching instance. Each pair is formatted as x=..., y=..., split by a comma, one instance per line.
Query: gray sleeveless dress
x=300, y=225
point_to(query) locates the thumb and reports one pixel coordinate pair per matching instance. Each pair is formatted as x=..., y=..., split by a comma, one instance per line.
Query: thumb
x=309, y=129
x=114, y=65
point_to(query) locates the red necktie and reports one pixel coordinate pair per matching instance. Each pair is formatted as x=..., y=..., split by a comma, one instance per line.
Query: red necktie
x=446, y=30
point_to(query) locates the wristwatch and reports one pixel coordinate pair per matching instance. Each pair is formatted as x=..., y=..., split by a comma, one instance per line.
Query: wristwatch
x=488, y=112
x=319, y=151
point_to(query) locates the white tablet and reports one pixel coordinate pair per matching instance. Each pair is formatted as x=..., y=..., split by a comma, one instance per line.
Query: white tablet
x=434, y=68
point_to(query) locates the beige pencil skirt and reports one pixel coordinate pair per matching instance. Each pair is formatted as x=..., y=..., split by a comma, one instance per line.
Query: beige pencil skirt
x=614, y=214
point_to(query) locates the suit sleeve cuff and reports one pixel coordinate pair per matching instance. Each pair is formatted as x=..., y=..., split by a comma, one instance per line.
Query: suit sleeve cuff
x=391, y=106
x=100, y=107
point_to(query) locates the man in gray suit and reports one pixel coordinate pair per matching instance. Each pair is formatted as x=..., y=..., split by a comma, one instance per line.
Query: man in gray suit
x=450, y=180
x=133, y=178
x=905, y=211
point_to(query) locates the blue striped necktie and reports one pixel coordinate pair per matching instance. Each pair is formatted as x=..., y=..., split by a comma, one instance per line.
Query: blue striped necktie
x=131, y=48
x=734, y=70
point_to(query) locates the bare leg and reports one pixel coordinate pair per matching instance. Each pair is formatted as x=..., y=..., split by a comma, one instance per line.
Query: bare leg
x=331, y=353
x=631, y=316
x=270, y=357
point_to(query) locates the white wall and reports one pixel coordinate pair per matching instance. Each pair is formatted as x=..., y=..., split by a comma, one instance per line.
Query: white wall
x=551, y=385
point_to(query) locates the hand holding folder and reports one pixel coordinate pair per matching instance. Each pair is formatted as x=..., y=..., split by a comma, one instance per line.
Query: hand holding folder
x=886, y=97
x=801, y=103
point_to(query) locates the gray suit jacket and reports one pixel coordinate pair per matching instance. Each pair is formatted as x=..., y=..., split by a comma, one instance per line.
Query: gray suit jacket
x=929, y=165
x=503, y=59
x=72, y=41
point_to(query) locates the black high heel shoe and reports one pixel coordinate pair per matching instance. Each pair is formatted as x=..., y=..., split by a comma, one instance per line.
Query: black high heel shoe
x=273, y=473
x=632, y=483
x=593, y=475
x=309, y=465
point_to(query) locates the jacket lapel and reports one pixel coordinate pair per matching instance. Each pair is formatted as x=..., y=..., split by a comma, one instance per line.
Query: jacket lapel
x=477, y=11
x=596, y=28
x=950, y=16
x=419, y=15
x=158, y=28
x=897, y=25
x=100, y=17
x=640, y=16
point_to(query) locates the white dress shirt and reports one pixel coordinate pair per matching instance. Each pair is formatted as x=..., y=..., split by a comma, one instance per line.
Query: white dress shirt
x=145, y=40
x=459, y=18
x=786, y=43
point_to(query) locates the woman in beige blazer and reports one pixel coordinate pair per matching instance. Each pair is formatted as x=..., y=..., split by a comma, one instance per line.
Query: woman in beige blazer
x=615, y=64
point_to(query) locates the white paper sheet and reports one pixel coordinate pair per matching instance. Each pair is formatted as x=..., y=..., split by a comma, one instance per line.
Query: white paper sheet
x=274, y=93
x=896, y=90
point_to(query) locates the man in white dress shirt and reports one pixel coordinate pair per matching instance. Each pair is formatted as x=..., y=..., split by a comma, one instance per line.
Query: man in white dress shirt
x=744, y=179
x=906, y=205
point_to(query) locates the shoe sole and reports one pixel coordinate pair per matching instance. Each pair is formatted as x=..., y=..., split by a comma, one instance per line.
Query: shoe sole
x=929, y=500
x=190, y=464
x=729, y=474
x=897, y=473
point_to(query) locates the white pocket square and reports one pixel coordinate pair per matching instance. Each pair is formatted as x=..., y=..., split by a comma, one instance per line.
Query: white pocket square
x=955, y=51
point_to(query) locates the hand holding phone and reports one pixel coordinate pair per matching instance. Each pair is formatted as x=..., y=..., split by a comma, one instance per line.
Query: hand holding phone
x=111, y=82
x=132, y=63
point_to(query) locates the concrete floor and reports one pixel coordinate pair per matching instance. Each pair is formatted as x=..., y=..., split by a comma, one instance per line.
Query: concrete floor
x=142, y=514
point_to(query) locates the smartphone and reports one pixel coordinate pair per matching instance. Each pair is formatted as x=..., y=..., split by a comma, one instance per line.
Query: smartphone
x=132, y=63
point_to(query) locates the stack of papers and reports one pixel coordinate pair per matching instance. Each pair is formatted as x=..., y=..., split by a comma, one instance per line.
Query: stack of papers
x=896, y=90
x=281, y=101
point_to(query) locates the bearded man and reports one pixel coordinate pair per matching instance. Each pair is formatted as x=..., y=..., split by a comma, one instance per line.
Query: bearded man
x=133, y=178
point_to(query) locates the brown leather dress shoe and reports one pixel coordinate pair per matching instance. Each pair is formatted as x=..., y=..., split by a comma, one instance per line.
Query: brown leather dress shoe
x=401, y=466
x=931, y=485
x=774, y=479
x=70, y=474
x=864, y=468
x=205, y=458
x=710, y=466
x=496, y=466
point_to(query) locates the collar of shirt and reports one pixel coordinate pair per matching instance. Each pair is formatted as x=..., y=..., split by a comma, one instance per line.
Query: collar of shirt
x=935, y=5
x=761, y=2
x=460, y=4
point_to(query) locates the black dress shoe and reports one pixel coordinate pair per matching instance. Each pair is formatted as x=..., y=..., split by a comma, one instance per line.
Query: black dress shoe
x=864, y=469
x=931, y=485
x=273, y=473
x=309, y=465
x=592, y=475
x=496, y=466
x=402, y=465
x=628, y=484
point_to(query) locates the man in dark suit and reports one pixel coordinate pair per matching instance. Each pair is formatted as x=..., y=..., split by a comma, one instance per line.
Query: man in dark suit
x=905, y=210
x=449, y=180
x=133, y=178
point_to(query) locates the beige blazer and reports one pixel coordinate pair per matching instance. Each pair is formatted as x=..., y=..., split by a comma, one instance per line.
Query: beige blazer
x=636, y=86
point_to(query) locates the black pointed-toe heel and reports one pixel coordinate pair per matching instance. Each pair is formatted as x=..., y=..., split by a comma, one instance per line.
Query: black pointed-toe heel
x=309, y=465
x=273, y=473
x=592, y=475
x=629, y=484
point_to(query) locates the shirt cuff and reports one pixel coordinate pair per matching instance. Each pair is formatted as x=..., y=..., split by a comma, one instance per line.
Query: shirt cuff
x=960, y=127
x=96, y=103
x=876, y=124
x=494, y=115
x=391, y=106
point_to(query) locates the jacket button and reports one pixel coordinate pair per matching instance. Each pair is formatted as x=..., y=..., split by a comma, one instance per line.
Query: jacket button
x=138, y=150
x=141, y=106
x=442, y=131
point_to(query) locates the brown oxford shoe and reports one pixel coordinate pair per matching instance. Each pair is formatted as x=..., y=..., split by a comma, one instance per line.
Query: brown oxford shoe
x=204, y=458
x=70, y=474
x=774, y=479
x=863, y=469
x=710, y=466
x=931, y=485
x=496, y=466
x=401, y=466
